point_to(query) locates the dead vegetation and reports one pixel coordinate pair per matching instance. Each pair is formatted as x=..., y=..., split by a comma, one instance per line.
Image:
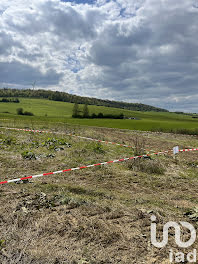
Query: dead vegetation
x=99, y=215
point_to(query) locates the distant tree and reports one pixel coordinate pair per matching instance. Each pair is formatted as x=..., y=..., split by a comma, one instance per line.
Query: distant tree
x=85, y=111
x=19, y=111
x=121, y=116
x=16, y=100
x=75, y=110
x=93, y=115
x=4, y=100
x=28, y=113
x=65, y=97
x=100, y=115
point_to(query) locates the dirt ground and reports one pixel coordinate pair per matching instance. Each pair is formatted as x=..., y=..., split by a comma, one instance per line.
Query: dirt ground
x=97, y=215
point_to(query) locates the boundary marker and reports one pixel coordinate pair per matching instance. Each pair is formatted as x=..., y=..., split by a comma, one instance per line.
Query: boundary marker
x=89, y=166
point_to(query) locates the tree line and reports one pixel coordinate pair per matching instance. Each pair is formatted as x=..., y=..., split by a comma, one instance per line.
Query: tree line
x=70, y=98
x=76, y=113
x=6, y=100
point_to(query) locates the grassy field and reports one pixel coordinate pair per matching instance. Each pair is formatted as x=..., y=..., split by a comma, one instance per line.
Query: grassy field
x=99, y=215
x=51, y=111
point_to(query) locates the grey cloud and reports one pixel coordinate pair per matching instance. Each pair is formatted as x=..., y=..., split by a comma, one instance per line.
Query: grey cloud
x=116, y=44
x=18, y=73
x=6, y=43
x=156, y=59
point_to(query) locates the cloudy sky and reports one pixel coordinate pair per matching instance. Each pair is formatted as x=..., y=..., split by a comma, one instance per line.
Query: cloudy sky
x=131, y=50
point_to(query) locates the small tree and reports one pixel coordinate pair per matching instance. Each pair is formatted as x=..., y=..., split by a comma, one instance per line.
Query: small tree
x=121, y=116
x=19, y=111
x=75, y=110
x=93, y=115
x=100, y=115
x=85, y=111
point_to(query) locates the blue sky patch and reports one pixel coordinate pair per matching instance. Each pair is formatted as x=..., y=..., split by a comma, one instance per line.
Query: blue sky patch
x=90, y=2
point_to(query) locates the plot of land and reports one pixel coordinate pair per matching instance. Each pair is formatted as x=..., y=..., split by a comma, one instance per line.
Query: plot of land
x=96, y=215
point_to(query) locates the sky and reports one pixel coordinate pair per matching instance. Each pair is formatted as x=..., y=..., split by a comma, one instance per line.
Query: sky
x=143, y=51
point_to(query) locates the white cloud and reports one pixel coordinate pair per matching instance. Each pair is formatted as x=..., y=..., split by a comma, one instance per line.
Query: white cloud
x=129, y=50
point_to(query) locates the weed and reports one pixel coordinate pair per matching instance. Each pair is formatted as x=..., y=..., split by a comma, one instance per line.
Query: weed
x=139, y=145
x=192, y=214
x=52, y=143
x=2, y=244
x=8, y=141
x=28, y=155
x=147, y=166
x=98, y=148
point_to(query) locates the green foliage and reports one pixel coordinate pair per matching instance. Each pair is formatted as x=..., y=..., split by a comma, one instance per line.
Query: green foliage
x=51, y=143
x=75, y=112
x=61, y=112
x=192, y=214
x=148, y=166
x=2, y=244
x=8, y=141
x=85, y=111
x=99, y=115
x=65, y=97
x=6, y=100
x=28, y=155
x=20, y=112
x=28, y=113
x=98, y=149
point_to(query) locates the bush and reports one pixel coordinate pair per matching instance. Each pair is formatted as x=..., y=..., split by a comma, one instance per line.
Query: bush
x=100, y=115
x=28, y=155
x=5, y=100
x=139, y=146
x=98, y=148
x=148, y=166
x=93, y=115
x=19, y=111
x=28, y=113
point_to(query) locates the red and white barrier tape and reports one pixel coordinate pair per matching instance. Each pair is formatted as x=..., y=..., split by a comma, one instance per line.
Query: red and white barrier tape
x=192, y=149
x=72, y=135
x=89, y=166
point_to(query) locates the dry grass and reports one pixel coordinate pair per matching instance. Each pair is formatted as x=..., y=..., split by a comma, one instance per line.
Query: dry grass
x=98, y=215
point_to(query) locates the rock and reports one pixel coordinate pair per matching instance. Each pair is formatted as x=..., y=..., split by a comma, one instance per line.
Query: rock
x=58, y=149
x=43, y=195
x=24, y=210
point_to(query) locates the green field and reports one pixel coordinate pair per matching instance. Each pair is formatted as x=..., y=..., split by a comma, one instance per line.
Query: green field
x=52, y=111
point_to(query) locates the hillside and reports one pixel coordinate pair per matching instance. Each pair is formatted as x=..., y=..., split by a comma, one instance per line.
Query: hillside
x=65, y=97
x=51, y=111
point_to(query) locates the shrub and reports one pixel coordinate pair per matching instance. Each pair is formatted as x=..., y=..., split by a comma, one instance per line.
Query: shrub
x=98, y=148
x=4, y=100
x=2, y=244
x=19, y=111
x=28, y=155
x=148, y=166
x=93, y=115
x=9, y=141
x=139, y=146
x=28, y=113
x=100, y=115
